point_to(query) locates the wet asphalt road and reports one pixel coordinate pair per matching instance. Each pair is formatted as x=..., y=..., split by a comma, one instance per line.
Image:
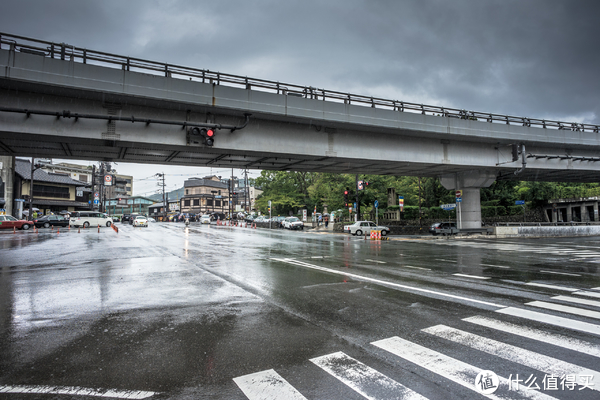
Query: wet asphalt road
x=190, y=313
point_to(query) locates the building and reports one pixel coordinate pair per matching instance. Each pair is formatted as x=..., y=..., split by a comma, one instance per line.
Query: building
x=205, y=195
x=583, y=209
x=52, y=192
x=81, y=173
x=157, y=210
x=122, y=186
x=128, y=205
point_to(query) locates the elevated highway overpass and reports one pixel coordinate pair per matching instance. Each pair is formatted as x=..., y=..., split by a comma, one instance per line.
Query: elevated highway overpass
x=61, y=101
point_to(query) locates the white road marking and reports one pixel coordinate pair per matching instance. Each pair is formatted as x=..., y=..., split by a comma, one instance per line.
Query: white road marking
x=566, y=289
x=577, y=300
x=384, y=283
x=552, y=320
x=559, y=273
x=540, y=362
x=450, y=368
x=363, y=379
x=376, y=261
x=494, y=266
x=472, y=276
x=566, y=309
x=589, y=294
x=537, y=334
x=410, y=266
x=441, y=259
x=267, y=385
x=77, y=391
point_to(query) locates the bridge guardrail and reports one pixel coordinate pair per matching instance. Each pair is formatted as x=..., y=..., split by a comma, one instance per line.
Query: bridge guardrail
x=77, y=54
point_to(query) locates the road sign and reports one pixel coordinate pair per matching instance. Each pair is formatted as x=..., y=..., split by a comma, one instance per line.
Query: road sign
x=376, y=204
x=459, y=199
x=107, y=180
x=360, y=185
x=448, y=207
x=96, y=195
x=520, y=202
x=96, y=202
x=459, y=194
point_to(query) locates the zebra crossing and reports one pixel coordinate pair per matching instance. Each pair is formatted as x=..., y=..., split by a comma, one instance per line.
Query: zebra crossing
x=554, y=377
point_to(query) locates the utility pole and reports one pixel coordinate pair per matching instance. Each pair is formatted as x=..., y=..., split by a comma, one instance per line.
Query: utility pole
x=161, y=176
x=357, y=201
x=246, y=193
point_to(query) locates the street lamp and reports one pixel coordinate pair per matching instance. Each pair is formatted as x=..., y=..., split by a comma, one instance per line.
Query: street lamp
x=214, y=198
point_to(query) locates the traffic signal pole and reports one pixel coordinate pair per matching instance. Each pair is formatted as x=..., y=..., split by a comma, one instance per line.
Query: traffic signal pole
x=357, y=201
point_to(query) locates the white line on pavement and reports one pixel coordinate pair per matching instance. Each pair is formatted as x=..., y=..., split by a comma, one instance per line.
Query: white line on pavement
x=537, y=334
x=589, y=294
x=559, y=273
x=472, y=276
x=566, y=309
x=450, y=368
x=552, y=320
x=376, y=261
x=577, y=300
x=267, y=385
x=384, y=283
x=363, y=379
x=566, y=289
x=494, y=266
x=410, y=266
x=77, y=391
x=540, y=362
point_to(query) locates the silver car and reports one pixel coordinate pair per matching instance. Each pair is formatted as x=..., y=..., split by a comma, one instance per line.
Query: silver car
x=365, y=227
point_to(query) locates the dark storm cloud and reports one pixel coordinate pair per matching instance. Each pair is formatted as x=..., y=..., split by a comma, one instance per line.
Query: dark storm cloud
x=528, y=58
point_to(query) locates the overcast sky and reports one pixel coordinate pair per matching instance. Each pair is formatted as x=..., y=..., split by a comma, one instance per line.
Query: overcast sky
x=533, y=58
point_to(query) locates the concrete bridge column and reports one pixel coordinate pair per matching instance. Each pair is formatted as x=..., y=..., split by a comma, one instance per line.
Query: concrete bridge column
x=470, y=183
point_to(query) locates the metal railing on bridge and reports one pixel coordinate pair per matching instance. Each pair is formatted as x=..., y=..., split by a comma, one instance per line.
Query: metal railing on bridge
x=65, y=51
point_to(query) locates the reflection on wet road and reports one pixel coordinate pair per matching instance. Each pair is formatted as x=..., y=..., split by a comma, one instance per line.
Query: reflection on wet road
x=235, y=313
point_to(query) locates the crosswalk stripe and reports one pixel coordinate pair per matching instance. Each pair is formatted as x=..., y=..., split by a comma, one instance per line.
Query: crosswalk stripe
x=578, y=300
x=589, y=294
x=472, y=276
x=450, y=368
x=267, y=385
x=363, y=379
x=77, y=390
x=563, y=341
x=540, y=362
x=552, y=320
x=566, y=309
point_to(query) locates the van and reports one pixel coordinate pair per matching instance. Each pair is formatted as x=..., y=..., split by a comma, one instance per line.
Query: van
x=89, y=218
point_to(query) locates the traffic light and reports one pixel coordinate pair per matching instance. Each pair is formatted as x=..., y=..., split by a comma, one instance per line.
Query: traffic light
x=207, y=134
x=515, y=152
x=366, y=183
x=346, y=193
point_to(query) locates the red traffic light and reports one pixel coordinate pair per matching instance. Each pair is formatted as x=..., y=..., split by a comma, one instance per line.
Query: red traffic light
x=210, y=133
x=345, y=192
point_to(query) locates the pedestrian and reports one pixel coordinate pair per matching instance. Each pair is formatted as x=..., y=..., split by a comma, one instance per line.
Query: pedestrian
x=326, y=221
x=320, y=220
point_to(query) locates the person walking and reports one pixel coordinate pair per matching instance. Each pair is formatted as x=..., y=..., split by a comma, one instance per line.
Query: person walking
x=326, y=221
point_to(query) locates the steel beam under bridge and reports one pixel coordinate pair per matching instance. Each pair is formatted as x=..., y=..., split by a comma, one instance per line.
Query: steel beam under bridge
x=285, y=132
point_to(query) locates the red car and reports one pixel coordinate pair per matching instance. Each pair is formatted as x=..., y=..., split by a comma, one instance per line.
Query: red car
x=10, y=222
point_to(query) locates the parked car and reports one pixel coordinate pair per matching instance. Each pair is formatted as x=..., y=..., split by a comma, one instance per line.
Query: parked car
x=365, y=227
x=150, y=219
x=260, y=218
x=132, y=218
x=443, y=228
x=116, y=218
x=249, y=218
x=293, y=223
x=140, y=220
x=51, y=220
x=205, y=219
x=125, y=218
x=10, y=222
x=89, y=218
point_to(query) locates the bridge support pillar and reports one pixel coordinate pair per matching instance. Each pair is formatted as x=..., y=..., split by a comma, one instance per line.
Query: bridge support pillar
x=470, y=183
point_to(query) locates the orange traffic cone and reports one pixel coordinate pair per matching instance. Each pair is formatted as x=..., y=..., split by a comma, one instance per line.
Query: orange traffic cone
x=98, y=228
x=58, y=231
x=79, y=230
x=14, y=229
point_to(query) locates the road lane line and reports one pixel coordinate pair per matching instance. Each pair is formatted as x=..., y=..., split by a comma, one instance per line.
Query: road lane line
x=494, y=266
x=544, y=285
x=77, y=391
x=410, y=266
x=589, y=294
x=472, y=276
x=531, y=359
x=384, y=283
x=566, y=309
x=450, y=368
x=552, y=320
x=363, y=379
x=267, y=385
x=450, y=261
x=577, y=300
x=558, y=273
x=554, y=339
x=376, y=261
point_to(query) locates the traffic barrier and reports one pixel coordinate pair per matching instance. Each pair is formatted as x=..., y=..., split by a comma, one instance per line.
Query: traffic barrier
x=79, y=231
x=98, y=228
x=58, y=231
x=115, y=228
x=14, y=229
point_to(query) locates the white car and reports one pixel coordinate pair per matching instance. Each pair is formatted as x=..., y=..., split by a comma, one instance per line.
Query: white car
x=140, y=220
x=292, y=223
x=365, y=227
x=205, y=219
x=89, y=218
